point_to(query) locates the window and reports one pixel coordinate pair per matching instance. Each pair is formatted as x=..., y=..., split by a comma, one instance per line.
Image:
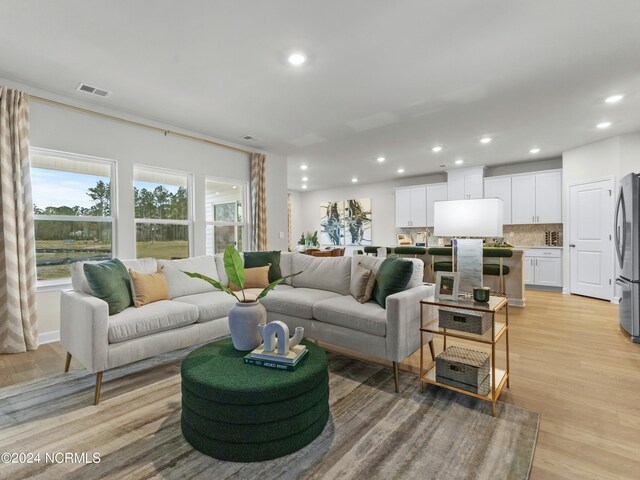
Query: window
x=163, y=212
x=72, y=205
x=225, y=215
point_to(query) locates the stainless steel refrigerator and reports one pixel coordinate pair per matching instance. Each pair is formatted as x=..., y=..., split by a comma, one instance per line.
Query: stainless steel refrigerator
x=627, y=236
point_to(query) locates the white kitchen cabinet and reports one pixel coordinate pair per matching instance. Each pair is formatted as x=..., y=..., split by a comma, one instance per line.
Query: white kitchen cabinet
x=465, y=183
x=411, y=207
x=435, y=192
x=543, y=267
x=500, y=187
x=536, y=198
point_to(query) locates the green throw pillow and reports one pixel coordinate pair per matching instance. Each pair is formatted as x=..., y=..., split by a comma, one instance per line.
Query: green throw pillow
x=110, y=282
x=262, y=259
x=392, y=277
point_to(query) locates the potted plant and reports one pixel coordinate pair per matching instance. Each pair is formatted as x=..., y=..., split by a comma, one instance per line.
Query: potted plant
x=247, y=313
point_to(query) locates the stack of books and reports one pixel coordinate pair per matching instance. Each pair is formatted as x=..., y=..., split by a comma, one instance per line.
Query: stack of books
x=288, y=362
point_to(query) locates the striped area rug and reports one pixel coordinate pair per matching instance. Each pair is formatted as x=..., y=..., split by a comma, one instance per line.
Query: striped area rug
x=373, y=433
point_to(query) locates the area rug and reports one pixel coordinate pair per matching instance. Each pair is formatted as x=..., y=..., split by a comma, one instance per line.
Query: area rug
x=373, y=433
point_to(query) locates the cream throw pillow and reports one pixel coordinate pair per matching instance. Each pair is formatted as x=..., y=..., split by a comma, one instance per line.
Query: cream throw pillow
x=362, y=282
x=256, y=277
x=148, y=287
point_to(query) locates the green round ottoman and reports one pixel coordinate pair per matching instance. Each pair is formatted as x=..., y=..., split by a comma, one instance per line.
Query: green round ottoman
x=245, y=413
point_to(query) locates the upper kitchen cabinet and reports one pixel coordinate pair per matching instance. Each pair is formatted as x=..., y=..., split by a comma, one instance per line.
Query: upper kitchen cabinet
x=500, y=187
x=465, y=183
x=536, y=198
x=411, y=207
x=435, y=193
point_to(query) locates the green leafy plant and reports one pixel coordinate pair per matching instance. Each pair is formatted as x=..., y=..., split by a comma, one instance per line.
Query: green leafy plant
x=234, y=269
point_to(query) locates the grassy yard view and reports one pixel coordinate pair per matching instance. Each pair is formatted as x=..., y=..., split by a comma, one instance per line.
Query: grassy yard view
x=163, y=249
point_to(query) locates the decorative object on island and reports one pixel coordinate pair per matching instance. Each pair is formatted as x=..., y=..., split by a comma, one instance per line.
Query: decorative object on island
x=481, y=294
x=346, y=222
x=468, y=218
x=465, y=369
x=247, y=313
x=404, y=239
x=447, y=284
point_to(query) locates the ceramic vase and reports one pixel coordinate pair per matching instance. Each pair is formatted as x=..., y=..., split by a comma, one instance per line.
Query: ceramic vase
x=244, y=319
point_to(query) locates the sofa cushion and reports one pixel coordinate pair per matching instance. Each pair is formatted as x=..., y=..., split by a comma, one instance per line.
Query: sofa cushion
x=79, y=280
x=392, y=276
x=256, y=277
x=210, y=305
x=109, y=281
x=260, y=259
x=180, y=284
x=362, y=282
x=149, y=319
x=373, y=263
x=286, y=265
x=148, y=287
x=347, y=312
x=297, y=302
x=323, y=273
x=252, y=293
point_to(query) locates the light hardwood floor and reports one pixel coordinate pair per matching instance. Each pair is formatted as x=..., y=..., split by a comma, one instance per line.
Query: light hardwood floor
x=569, y=361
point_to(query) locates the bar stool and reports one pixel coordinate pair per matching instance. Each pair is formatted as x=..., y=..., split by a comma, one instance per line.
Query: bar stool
x=497, y=269
x=415, y=251
x=370, y=249
x=441, y=265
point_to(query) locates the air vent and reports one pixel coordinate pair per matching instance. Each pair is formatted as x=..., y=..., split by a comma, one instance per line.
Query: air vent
x=250, y=138
x=83, y=87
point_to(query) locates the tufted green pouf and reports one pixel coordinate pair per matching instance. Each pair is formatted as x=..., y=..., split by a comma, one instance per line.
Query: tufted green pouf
x=244, y=413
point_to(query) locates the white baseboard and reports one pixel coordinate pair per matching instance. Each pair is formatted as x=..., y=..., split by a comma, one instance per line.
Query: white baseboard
x=615, y=300
x=49, y=337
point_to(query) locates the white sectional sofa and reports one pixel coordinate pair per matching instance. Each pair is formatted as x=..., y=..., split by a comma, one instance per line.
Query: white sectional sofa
x=318, y=299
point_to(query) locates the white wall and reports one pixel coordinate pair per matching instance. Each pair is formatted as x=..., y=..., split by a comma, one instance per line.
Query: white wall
x=66, y=130
x=614, y=157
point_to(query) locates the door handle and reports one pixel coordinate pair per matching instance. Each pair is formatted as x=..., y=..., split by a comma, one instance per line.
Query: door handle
x=572, y=245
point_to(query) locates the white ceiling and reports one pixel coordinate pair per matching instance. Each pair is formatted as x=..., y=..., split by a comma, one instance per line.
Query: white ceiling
x=383, y=78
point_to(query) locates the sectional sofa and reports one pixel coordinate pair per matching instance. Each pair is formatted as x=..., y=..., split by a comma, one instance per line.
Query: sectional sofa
x=317, y=299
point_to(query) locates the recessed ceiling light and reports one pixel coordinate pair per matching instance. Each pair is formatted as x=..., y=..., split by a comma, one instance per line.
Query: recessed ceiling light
x=614, y=98
x=604, y=125
x=305, y=179
x=459, y=161
x=486, y=140
x=304, y=187
x=401, y=170
x=303, y=167
x=436, y=149
x=534, y=150
x=235, y=186
x=217, y=193
x=381, y=159
x=297, y=59
x=354, y=180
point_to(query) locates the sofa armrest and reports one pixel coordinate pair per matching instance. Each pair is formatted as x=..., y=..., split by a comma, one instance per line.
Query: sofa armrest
x=84, y=325
x=403, y=322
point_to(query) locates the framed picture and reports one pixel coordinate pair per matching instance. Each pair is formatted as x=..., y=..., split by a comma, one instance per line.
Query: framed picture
x=447, y=284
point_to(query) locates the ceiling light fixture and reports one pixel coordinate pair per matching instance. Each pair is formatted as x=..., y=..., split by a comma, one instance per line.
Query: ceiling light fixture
x=235, y=186
x=534, y=150
x=485, y=140
x=614, y=98
x=303, y=167
x=459, y=161
x=304, y=187
x=297, y=59
x=305, y=179
x=217, y=193
x=354, y=180
x=381, y=159
x=436, y=149
x=603, y=125
x=401, y=170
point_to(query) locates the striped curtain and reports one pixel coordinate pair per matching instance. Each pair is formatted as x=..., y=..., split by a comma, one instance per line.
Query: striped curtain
x=258, y=202
x=18, y=323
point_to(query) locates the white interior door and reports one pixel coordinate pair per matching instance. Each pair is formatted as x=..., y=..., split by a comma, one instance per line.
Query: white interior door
x=590, y=239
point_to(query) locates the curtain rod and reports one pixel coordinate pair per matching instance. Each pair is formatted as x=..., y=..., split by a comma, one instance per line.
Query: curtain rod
x=138, y=124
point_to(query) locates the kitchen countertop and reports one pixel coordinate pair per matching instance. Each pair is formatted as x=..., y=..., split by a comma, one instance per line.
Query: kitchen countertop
x=525, y=247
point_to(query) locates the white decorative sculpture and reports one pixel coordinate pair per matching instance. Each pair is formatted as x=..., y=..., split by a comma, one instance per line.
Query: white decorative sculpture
x=279, y=330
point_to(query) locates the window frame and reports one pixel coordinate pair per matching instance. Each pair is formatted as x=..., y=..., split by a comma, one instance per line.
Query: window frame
x=64, y=283
x=189, y=222
x=244, y=184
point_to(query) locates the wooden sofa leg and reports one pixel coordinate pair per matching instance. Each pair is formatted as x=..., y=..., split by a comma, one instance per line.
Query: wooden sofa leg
x=96, y=399
x=67, y=363
x=396, y=376
x=433, y=352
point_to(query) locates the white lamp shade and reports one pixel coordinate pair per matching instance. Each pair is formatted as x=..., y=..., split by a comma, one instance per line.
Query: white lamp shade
x=468, y=218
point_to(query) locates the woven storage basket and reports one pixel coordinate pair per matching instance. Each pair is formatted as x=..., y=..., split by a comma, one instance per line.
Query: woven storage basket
x=465, y=369
x=464, y=320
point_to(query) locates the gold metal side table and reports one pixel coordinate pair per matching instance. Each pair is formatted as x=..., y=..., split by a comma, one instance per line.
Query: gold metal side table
x=429, y=323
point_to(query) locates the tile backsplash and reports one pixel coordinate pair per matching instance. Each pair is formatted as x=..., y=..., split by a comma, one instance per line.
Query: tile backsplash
x=531, y=235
